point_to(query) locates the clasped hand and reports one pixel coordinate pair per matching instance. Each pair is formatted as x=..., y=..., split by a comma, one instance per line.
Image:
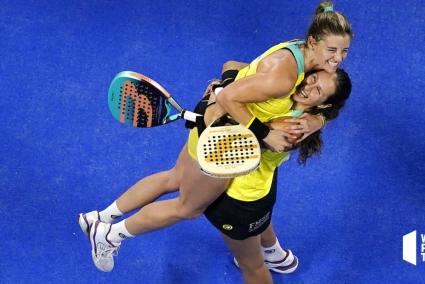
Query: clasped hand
x=286, y=132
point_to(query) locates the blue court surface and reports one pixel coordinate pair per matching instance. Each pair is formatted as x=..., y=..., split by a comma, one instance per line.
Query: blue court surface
x=344, y=214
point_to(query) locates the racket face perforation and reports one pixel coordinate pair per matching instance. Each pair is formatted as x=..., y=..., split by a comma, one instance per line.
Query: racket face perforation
x=137, y=100
x=227, y=151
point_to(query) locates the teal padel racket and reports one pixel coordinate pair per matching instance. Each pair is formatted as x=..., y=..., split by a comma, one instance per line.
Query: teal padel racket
x=139, y=101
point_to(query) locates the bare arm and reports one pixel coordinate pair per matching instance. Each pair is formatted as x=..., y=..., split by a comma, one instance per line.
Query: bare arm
x=215, y=111
x=275, y=77
x=301, y=128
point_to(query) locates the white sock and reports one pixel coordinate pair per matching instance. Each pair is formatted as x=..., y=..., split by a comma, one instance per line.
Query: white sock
x=111, y=213
x=274, y=253
x=119, y=232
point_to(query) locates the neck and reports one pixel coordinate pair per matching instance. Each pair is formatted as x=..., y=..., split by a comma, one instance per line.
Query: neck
x=308, y=60
x=301, y=107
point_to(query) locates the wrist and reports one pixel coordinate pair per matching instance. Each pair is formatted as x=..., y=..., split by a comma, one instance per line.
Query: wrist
x=259, y=129
x=323, y=120
x=228, y=77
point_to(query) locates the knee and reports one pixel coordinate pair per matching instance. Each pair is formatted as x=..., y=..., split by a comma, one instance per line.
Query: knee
x=184, y=211
x=172, y=180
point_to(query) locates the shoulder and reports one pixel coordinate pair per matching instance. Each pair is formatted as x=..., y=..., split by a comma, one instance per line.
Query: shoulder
x=280, y=60
x=280, y=69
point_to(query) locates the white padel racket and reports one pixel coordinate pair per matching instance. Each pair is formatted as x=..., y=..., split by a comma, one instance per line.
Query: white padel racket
x=228, y=151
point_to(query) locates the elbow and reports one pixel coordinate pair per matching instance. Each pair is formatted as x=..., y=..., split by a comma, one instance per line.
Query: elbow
x=221, y=99
x=229, y=65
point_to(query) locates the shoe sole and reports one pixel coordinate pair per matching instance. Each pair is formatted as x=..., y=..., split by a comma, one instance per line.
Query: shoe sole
x=92, y=235
x=286, y=261
x=287, y=268
x=84, y=224
x=281, y=269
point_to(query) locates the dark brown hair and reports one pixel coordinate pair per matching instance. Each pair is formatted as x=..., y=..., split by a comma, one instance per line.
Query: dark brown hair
x=313, y=143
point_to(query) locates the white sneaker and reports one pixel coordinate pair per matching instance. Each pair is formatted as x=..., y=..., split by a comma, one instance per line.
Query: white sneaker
x=103, y=251
x=86, y=219
x=287, y=265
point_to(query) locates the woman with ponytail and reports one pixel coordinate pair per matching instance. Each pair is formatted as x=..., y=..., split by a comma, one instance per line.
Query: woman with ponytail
x=262, y=91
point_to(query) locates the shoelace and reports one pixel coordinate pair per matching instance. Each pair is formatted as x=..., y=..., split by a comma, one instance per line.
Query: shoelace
x=106, y=251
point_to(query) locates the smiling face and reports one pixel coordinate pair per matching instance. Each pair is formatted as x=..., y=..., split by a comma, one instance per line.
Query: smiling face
x=330, y=51
x=315, y=89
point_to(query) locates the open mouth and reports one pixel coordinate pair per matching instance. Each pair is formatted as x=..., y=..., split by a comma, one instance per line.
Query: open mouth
x=333, y=64
x=303, y=94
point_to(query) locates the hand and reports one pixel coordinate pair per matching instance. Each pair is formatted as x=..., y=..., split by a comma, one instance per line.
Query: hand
x=211, y=85
x=276, y=141
x=306, y=124
x=213, y=113
x=284, y=125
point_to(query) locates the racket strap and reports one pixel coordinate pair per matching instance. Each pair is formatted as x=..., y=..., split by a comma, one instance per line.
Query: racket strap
x=228, y=77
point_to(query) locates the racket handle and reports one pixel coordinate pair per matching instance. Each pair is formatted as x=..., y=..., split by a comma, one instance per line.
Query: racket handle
x=188, y=115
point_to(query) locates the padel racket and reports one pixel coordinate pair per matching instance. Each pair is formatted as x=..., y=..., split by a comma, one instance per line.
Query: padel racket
x=228, y=151
x=139, y=101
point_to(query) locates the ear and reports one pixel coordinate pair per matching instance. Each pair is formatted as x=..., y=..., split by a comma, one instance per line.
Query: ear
x=324, y=106
x=311, y=42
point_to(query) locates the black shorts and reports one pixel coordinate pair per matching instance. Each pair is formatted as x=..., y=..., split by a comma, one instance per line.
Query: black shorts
x=242, y=219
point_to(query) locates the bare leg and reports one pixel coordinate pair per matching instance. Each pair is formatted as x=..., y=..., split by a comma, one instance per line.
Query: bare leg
x=151, y=187
x=197, y=191
x=277, y=259
x=250, y=258
x=268, y=237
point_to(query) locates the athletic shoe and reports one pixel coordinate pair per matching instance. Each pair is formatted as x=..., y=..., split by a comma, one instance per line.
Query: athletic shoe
x=86, y=219
x=103, y=251
x=287, y=265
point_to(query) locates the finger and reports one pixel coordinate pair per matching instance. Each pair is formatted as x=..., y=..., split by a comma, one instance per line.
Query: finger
x=298, y=131
x=301, y=139
x=293, y=134
x=291, y=137
x=302, y=121
x=292, y=120
x=296, y=127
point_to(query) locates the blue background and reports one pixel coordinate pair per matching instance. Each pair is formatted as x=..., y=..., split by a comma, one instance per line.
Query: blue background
x=62, y=153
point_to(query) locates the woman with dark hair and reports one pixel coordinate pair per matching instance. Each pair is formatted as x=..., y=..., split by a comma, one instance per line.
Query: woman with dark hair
x=245, y=221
